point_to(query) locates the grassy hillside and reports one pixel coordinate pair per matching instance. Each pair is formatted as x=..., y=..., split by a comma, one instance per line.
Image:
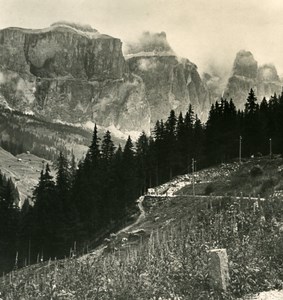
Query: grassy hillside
x=164, y=254
x=24, y=169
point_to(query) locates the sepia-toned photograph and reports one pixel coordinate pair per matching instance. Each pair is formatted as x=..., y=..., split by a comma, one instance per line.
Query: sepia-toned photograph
x=141, y=150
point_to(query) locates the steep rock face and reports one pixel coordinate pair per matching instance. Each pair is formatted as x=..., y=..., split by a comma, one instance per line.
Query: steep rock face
x=268, y=81
x=61, y=51
x=78, y=75
x=245, y=65
x=170, y=82
x=246, y=75
x=71, y=74
x=216, y=84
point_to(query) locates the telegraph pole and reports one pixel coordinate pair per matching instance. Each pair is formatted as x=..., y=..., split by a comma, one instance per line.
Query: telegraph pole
x=193, y=169
x=240, y=149
x=270, y=148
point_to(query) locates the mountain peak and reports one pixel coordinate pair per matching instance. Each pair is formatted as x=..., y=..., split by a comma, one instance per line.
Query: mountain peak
x=245, y=64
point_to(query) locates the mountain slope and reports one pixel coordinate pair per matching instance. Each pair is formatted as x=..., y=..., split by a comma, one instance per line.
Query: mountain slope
x=164, y=253
x=24, y=169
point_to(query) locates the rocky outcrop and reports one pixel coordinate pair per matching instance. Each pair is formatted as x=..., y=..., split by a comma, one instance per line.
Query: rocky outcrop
x=246, y=75
x=75, y=74
x=170, y=84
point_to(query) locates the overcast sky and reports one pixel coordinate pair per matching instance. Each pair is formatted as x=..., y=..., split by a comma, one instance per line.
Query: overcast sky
x=208, y=32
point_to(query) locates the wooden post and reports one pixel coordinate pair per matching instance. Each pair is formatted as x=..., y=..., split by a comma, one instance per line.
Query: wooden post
x=218, y=268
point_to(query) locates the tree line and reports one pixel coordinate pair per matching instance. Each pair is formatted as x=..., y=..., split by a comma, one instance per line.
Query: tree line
x=84, y=202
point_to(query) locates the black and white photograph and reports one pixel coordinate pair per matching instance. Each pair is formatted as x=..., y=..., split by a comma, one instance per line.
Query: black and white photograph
x=141, y=150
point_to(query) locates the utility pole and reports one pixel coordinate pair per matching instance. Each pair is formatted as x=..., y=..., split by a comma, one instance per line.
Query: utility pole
x=29, y=252
x=240, y=150
x=193, y=169
x=270, y=148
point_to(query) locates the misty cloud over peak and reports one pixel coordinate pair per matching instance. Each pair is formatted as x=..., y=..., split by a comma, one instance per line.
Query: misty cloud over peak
x=149, y=42
x=268, y=72
x=245, y=64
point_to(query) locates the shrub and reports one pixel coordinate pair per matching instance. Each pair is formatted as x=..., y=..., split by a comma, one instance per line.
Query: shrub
x=256, y=171
x=266, y=185
x=209, y=189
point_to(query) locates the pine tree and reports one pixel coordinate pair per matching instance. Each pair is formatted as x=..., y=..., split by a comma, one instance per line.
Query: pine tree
x=251, y=128
x=188, y=139
x=106, y=209
x=63, y=176
x=170, y=144
x=107, y=147
x=47, y=216
x=93, y=153
x=9, y=222
x=142, y=150
x=251, y=105
x=118, y=202
x=160, y=151
x=130, y=179
x=65, y=204
x=198, y=142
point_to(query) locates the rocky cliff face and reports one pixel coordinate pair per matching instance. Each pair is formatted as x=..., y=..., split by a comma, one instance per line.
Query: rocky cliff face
x=170, y=82
x=246, y=75
x=71, y=74
x=61, y=50
x=77, y=75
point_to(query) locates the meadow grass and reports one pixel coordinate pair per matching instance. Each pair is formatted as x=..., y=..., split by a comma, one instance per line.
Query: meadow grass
x=173, y=262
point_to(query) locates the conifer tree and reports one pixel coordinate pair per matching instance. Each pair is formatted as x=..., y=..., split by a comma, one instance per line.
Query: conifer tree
x=65, y=203
x=87, y=190
x=9, y=222
x=93, y=153
x=130, y=178
x=107, y=147
x=142, y=151
x=118, y=203
x=48, y=221
x=63, y=176
x=182, y=148
x=107, y=179
x=170, y=143
x=251, y=128
x=251, y=105
x=188, y=139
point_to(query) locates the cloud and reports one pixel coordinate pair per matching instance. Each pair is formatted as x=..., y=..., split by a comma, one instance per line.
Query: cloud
x=148, y=42
x=146, y=64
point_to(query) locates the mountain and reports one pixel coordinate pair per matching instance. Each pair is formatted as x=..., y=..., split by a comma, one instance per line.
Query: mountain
x=170, y=82
x=74, y=74
x=246, y=74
